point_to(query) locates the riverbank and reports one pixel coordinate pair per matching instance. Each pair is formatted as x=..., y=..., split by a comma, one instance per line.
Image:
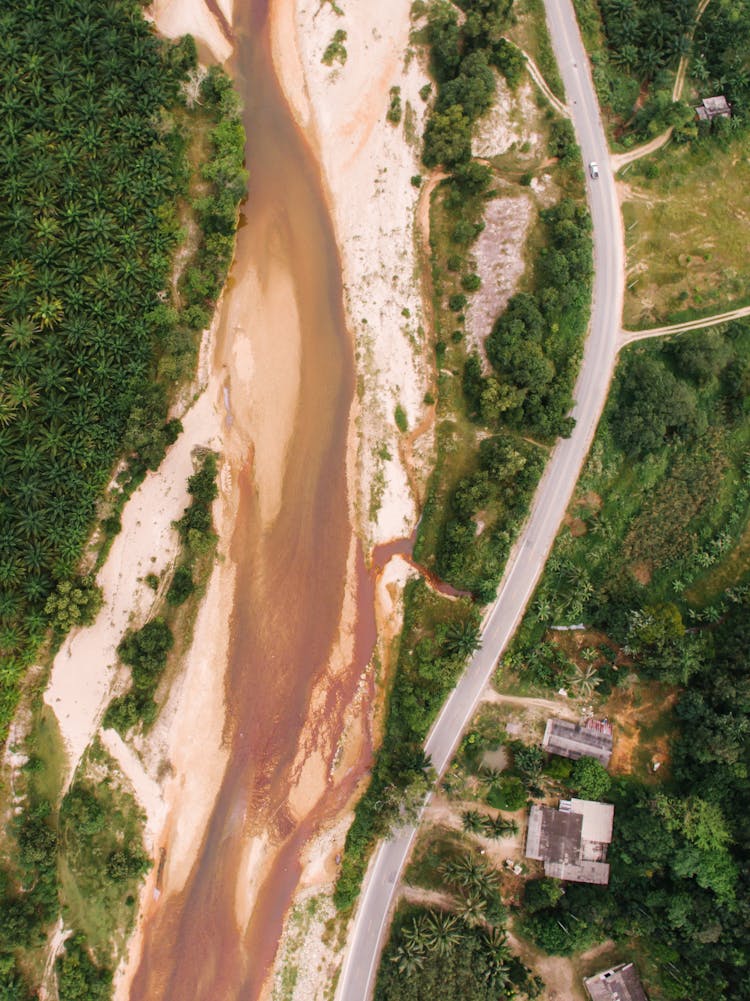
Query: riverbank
x=368, y=163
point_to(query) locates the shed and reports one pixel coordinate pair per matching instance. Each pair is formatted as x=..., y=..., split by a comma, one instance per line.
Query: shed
x=592, y=739
x=621, y=983
x=713, y=107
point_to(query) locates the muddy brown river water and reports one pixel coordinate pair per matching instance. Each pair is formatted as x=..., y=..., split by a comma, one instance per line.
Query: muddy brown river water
x=290, y=584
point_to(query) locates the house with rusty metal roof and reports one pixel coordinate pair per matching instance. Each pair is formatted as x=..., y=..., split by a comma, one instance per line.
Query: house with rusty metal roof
x=572, y=840
x=621, y=983
x=591, y=739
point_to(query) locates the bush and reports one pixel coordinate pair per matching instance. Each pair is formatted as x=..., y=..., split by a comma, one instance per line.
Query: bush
x=182, y=586
x=558, y=768
x=507, y=794
x=400, y=418
x=590, y=779
x=394, y=109
x=471, y=282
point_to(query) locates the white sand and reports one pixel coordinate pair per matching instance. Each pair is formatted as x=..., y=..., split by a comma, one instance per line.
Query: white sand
x=175, y=18
x=84, y=668
x=367, y=166
x=509, y=123
x=498, y=262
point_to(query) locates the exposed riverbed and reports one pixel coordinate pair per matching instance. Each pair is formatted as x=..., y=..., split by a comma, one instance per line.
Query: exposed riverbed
x=298, y=647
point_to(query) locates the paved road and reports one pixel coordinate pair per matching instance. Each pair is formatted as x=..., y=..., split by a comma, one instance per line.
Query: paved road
x=554, y=492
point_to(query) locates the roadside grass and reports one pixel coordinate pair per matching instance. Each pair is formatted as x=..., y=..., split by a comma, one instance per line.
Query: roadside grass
x=101, y=859
x=434, y=846
x=669, y=527
x=530, y=33
x=685, y=218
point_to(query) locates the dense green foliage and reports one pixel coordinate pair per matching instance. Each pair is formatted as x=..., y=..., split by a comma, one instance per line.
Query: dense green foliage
x=719, y=62
x=78, y=976
x=535, y=346
x=508, y=470
x=433, y=650
x=462, y=57
x=93, y=150
x=641, y=44
x=439, y=954
x=656, y=571
x=680, y=856
x=670, y=463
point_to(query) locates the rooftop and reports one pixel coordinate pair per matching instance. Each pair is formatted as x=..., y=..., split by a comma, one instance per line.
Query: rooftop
x=572, y=840
x=621, y=983
x=714, y=107
x=592, y=739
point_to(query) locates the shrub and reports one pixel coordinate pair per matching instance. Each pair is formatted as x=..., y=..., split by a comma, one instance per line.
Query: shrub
x=182, y=586
x=507, y=794
x=471, y=282
x=400, y=417
x=590, y=779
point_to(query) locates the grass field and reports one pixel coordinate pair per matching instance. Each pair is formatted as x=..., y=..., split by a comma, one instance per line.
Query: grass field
x=686, y=211
x=531, y=34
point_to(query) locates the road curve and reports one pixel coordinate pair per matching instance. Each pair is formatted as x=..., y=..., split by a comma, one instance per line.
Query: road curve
x=551, y=500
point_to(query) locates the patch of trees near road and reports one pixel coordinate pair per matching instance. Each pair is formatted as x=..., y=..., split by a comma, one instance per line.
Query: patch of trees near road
x=658, y=566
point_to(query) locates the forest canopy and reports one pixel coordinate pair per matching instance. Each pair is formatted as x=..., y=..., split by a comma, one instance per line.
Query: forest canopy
x=92, y=169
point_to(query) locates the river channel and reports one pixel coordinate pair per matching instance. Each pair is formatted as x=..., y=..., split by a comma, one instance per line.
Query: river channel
x=216, y=939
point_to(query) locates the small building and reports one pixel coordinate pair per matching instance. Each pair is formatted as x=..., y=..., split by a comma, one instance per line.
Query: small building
x=621, y=983
x=592, y=739
x=713, y=107
x=572, y=841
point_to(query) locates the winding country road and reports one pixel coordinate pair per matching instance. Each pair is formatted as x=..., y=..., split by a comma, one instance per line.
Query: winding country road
x=554, y=492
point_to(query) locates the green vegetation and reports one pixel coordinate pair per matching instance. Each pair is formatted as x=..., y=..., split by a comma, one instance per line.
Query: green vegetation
x=486, y=469
x=686, y=240
x=102, y=860
x=531, y=33
x=430, y=658
x=635, y=48
x=394, y=108
x=146, y=650
x=99, y=175
x=335, y=50
x=663, y=501
x=145, y=653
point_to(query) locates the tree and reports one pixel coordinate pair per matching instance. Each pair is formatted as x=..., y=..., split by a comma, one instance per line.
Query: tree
x=590, y=779
x=447, y=138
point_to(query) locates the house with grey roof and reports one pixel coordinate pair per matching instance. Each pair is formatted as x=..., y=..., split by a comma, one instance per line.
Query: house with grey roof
x=714, y=107
x=621, y=983
x=591, y=739
x=572, y=841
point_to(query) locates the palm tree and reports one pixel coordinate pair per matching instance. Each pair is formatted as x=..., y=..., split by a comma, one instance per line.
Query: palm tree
x=462, y=639
x=586, y=681
x=499, y=827
x=472, y=909
x=408, y=960
x=472, y=821
x=441, y=932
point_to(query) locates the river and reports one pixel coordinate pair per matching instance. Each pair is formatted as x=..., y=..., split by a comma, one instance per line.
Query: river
x=216, y=939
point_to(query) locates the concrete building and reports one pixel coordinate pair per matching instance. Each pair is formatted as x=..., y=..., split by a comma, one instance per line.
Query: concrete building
x=621, y=983
x=592, y=739
x=572, y=841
